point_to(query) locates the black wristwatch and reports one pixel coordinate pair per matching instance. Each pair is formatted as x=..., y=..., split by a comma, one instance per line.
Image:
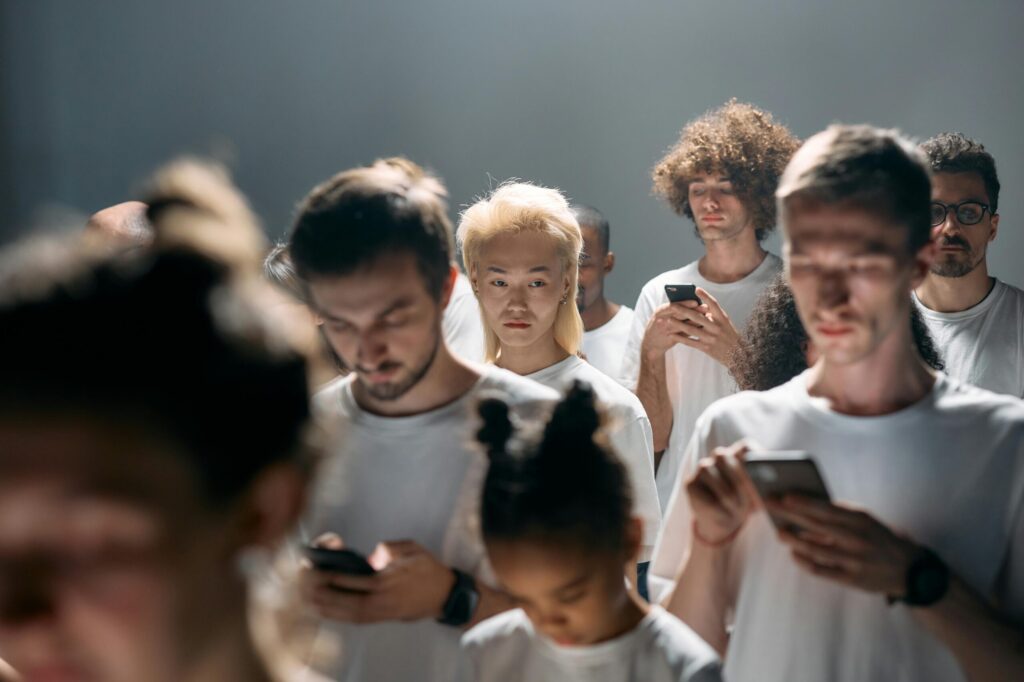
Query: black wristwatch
x=461, y=603
x=927, y=580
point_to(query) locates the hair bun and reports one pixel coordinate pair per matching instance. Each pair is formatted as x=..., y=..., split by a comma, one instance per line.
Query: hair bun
x=576, y=417
x=497, y=425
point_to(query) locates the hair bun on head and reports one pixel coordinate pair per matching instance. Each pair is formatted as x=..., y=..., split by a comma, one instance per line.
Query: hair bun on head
x=575, y=417
x=497, y=425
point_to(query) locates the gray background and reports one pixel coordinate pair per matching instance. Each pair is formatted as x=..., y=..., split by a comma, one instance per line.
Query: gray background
x=583, y=95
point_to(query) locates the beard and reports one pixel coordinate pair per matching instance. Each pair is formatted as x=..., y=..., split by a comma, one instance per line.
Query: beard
x=955, y=268
x=393, y=390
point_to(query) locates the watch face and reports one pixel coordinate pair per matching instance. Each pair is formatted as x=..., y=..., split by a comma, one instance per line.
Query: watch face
x=929, y=580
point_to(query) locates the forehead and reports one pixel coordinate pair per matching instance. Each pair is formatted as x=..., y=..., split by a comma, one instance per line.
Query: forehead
x=78, y=458
x=372, y=288
x=843, y=228
x=956, y=187
x=520, y=250
x=715, y=177
x=591, y=239
x=527, y=567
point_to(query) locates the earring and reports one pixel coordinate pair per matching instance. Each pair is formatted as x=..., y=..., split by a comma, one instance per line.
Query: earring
x=564, y=299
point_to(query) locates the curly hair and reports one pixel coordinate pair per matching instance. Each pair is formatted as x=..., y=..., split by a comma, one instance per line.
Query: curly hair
x=957, y=153
x=740, y=141
x=773, y=348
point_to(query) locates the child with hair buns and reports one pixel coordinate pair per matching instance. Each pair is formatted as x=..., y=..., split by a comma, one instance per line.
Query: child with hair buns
x=557, y=523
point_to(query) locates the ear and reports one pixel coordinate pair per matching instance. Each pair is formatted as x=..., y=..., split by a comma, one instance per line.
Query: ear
x=994, y=222
x=609, y=262
x=473, y=275
x=449, y=285
x=923, y=260
x=272, y=505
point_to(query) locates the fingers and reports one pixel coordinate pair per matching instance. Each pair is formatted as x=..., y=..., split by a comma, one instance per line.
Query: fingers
x=711, y=304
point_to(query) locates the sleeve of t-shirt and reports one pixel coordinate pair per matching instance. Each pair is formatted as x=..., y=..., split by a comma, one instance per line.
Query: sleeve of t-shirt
x=629, y=374
x=634, y=442
x=674, y=541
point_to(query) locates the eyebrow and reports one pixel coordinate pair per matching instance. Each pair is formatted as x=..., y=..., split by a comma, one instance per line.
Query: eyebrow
x=571, y=584
x=535, y=268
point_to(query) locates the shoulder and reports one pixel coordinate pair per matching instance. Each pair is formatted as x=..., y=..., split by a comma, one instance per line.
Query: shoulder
x=330, y=401
x=610, y=391
x=683, y=649
x=956, y=398
x=1012, y=293
x=504, y=630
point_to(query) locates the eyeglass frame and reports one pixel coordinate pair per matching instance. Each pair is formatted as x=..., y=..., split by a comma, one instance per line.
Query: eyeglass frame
x=956, y=211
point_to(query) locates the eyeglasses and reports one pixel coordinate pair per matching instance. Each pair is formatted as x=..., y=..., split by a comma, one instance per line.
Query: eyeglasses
x=966, y=212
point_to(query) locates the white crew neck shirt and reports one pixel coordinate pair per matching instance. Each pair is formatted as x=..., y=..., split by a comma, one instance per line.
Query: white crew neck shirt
x=694, y=379
x=983, y=345
x=419, y=478
x=605, y=345
x=461, y=324
x=661, y=648
x=629, y=432
x=948, y=471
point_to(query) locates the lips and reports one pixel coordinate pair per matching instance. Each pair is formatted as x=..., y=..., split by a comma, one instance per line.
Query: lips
x=516, y=324
x=713, y=218
x=834, y=330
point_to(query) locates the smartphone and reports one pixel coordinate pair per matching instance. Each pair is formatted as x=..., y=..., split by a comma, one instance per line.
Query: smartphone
x=340, y=560
x=785, y=472
x=682, y=292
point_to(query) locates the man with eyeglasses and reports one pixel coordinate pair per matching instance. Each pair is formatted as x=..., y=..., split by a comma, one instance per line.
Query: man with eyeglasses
x=976, y=320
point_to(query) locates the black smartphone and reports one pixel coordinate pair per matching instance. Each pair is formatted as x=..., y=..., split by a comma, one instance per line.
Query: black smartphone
x=682, y=292
x=340, y=560
x=785, y=472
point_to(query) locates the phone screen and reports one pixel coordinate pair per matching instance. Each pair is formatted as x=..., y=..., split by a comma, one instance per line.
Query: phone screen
x=780, y=473
x=341, y=560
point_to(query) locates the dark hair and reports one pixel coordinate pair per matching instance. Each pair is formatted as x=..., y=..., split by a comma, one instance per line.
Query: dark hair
x=738, y=140
x=875, y=170
x=773, y=347
x=957, y=153
x=279, y=271
x=588, y=216
x=167, y=341
x=567, y=486
x=361, y=214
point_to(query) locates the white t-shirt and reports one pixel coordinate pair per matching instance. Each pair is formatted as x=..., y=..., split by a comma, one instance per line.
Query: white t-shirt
x=661, y=648
x=694, y=379
x=630, y=434
x=462, y=327
x=418, y=478
x=983, y=345
x=948, y=471
x=604, y=346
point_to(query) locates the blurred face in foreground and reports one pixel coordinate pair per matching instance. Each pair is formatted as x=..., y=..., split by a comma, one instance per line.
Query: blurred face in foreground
x=112, y=567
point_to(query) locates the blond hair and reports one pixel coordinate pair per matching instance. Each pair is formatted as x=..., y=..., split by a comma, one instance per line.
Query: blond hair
x=518, y=207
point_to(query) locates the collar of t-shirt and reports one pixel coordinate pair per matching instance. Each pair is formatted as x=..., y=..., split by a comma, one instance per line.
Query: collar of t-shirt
x=552, y=373
x=610, y=325
x=817, y=409
x=770, y=262
x=980, y=308
x=456, y=408
x=611, y=651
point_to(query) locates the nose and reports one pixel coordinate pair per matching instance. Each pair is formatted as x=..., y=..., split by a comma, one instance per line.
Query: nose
x=517, y=298
x=551, y=620
x=372, y=349
x=833, y=290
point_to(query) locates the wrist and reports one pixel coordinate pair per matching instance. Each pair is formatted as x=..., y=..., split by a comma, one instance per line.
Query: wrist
x=926, y=580
x=461, y=602
x=718, y=540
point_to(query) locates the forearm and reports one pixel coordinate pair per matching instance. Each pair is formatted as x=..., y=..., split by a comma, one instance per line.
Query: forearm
x=492, y=602
x=701, y=595
x=986, y=645
x=652, y=390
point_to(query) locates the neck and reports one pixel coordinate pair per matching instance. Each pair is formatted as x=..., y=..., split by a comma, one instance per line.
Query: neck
x=598, y=313
x=525, y=360
x=889, y=379
x=632, y=609
x=730, y=260
x=953, y=294
x=447, y=380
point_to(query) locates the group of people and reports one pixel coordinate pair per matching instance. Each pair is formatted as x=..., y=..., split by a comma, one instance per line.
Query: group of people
x=347, y=458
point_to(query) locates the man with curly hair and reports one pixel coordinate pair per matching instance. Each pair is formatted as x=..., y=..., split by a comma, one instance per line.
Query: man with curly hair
x=977, y=320
x=722, y=175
